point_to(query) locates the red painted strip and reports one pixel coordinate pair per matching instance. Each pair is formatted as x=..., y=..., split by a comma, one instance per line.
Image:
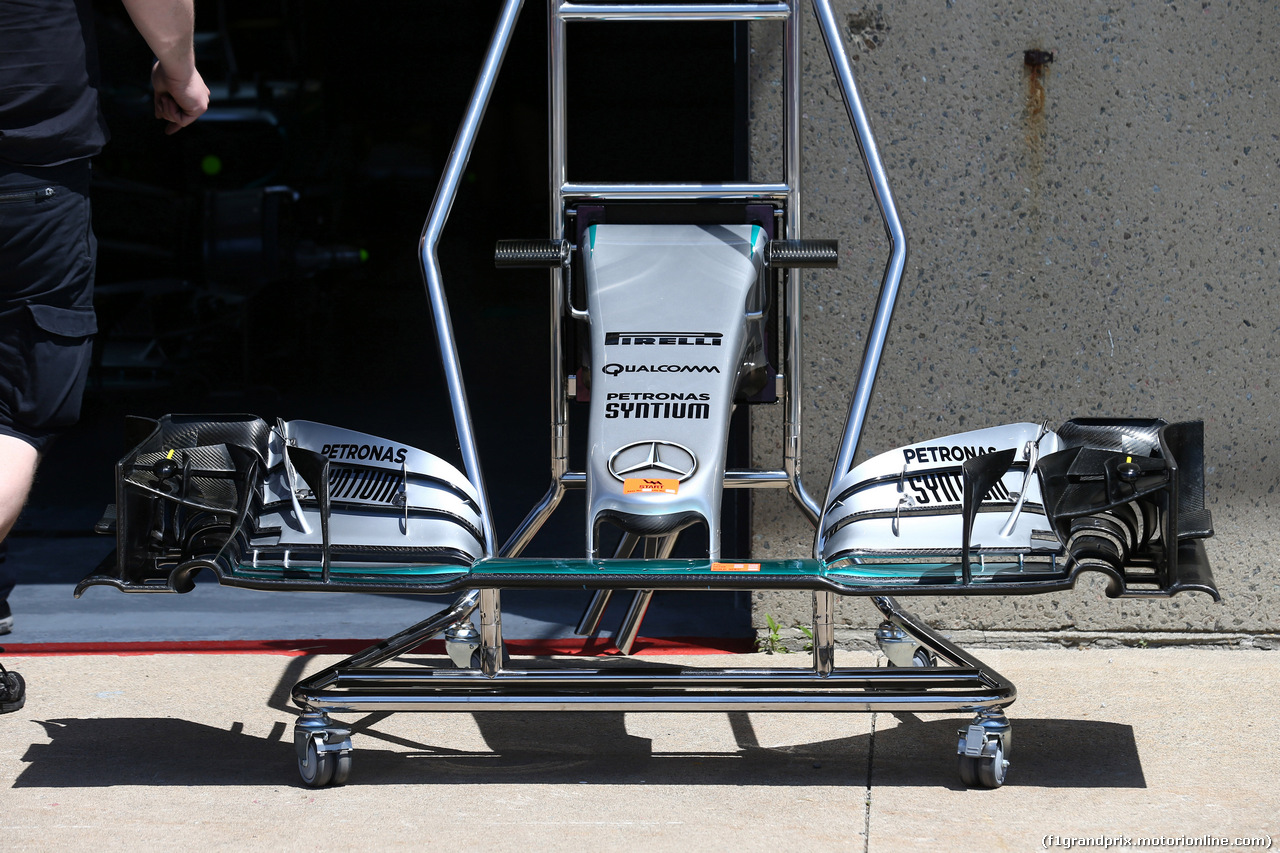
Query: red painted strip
x=588, y=647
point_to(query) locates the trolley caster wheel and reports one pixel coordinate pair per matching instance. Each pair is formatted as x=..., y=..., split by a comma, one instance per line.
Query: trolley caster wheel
x=895, y=644
x=341, y=768
x=316, y=768
x=323, y=750
x=921, y=657
x=986, y=771
x=320, y=769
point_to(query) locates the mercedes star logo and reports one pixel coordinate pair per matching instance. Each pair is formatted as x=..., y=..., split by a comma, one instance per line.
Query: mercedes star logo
x=653, y=459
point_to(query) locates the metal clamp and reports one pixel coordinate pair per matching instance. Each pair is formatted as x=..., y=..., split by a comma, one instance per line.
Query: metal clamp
x=988, y=729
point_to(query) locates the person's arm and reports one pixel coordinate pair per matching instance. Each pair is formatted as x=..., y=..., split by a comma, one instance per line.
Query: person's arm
x=168, y=27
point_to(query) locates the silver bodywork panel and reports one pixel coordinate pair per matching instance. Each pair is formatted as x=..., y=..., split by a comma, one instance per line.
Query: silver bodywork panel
x=386, y=498
x=661, y=398
x=910, y=499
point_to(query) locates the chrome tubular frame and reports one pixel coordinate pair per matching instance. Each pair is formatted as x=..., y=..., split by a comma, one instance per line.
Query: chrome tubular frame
x=454, y=168
x=563, y=193
x=359, y=684
x=965, y=686
x=405, y=641
x=897, y=244
x=227, y=508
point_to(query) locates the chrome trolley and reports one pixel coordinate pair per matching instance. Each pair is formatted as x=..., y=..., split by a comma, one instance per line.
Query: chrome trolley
x=671, y=305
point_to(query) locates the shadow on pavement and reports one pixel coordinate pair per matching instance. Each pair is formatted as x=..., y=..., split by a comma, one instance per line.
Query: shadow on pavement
x=561, y=749
x=566, y=748
x=1046, y=753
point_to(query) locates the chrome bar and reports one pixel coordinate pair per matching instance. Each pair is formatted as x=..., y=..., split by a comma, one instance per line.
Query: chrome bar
x=392, y=647
x=831, y=34
x=938, y=644
x=792, y=72
x=519, y=540
x=431, y=231
x=792, y=445
x=673, y=677
x=655, y=548
x=491, y=651
x=557, y=100
x=966, y=686
x=672, y=11
x=557, y=172
x=557, y=132
x=590, y=621
x=740, y=478
x=792, y=292
x=631, y=622
x=824, y=632
x=413, y=636
x=677, y=192
x=870, y=701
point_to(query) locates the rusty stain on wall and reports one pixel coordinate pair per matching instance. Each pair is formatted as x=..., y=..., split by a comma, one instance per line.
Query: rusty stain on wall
x=1036, y=63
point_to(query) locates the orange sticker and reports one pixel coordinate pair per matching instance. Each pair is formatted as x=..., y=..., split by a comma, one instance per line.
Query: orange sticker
x=735, y=567
x=659, y=486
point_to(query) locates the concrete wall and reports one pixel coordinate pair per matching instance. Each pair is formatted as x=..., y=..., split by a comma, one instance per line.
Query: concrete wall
x=1096, y=242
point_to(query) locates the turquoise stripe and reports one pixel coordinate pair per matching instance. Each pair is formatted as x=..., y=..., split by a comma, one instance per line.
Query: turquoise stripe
x=576, y=572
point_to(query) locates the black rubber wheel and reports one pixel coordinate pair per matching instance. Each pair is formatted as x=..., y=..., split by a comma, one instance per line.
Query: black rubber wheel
x=13, y=691
x=341, y=768
x=318, y=767
x=983, y=771
x=991, y=770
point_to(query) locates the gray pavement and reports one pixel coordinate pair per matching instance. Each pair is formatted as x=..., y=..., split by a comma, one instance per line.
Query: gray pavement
x=193, y=751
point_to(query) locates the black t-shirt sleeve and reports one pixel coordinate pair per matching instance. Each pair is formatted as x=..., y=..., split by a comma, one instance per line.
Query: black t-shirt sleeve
x=49, y=82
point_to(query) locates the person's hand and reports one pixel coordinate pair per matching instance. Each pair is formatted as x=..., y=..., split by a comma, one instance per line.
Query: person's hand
x=179, y=100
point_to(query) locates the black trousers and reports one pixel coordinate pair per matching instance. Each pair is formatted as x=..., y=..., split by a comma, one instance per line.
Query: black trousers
x=47, y=258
